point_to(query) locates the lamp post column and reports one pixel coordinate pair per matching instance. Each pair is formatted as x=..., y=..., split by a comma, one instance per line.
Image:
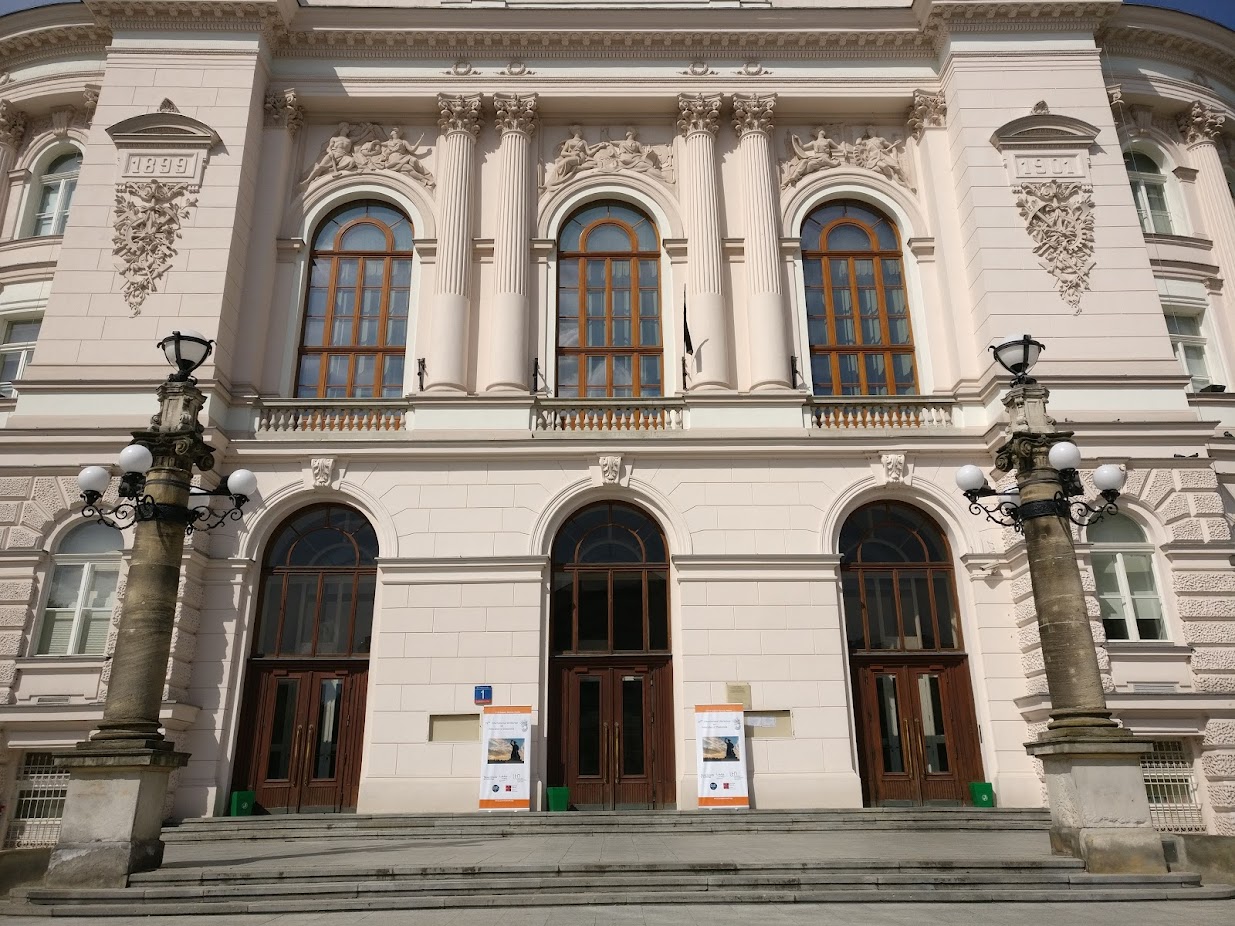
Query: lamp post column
x=447, y=355
x=1099, y=811
x=766, y=322
x=113, y=810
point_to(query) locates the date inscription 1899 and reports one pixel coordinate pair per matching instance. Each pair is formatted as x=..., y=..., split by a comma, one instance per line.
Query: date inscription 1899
x=161, y=166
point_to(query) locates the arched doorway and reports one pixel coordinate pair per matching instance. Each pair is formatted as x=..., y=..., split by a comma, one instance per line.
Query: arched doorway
x=610, y=682
x=917, y=733
x=302, y=726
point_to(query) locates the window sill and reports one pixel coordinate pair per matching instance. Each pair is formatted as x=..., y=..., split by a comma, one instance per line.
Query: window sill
x=61, y=662
x=1147, y=648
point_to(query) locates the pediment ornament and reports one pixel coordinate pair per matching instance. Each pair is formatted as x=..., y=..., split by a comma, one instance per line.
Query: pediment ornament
x=828, y=149
x=369, y=147
x=576, y=156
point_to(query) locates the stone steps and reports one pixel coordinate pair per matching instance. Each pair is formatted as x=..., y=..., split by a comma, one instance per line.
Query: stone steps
x=395, y=826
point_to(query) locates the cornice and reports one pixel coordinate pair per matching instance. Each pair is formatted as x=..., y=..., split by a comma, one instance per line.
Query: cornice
x=200, y=14
x=1139, y=41
x=997, y=15
x=56, y=40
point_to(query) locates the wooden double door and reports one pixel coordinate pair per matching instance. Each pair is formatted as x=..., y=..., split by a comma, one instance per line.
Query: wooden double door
x=917, y=733
x=304, y=737
x=614, y=740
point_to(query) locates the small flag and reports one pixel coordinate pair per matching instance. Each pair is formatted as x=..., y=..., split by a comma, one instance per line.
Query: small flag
x=690, y=348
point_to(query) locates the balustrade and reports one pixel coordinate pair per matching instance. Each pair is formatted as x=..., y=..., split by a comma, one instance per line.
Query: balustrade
x=868, y=412
x=573, y=415
x=288, y=416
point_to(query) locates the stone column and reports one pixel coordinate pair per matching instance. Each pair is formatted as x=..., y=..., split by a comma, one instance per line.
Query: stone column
x=767, y=321
x=446, y=356
x=12, y=132
x=1099, y=811
x=515, y=118
x=705, y=303
x=1200, y=127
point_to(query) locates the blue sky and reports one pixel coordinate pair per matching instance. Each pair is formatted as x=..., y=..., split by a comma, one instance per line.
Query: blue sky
x=1222, y=11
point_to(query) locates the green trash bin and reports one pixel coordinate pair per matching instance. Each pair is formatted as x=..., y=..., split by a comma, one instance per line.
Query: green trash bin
x=242, y=803
x=559, y=799
x=982, y=793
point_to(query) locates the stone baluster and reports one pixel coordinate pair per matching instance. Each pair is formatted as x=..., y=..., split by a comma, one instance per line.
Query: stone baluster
x=515, y=118
x=709, y=324
x=1200, y=127
x=446, y=356
x=12, y=132
x=766, y=318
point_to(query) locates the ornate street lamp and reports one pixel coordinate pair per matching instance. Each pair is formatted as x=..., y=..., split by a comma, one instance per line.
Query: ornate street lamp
x=113, y=808
x=1099, y=811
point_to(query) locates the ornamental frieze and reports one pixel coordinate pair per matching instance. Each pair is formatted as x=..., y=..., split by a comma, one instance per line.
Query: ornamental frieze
x=576, y=156
x=368, y=148
x=829, y=149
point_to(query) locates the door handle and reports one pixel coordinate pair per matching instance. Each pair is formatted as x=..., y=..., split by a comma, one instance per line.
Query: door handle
x=617, y=750
x=291, y=767
x=308, y=766
x=604, y=751
x=922, y=747
x=907, y=747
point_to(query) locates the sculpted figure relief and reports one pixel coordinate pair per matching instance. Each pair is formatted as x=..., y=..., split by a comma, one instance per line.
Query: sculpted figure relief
x=575, y=155
x=369, y=147
x=828, y=149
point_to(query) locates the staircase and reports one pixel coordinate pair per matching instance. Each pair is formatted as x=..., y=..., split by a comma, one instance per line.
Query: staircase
x=289, y=864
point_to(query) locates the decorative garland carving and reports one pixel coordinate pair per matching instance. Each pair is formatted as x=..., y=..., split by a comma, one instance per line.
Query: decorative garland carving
x=148, y=220
x=927, y=111
x=575, y=156
x=1200, y=123
x=829, y=150
x=284, y=109
x=699, y=113
x=1059, y=218
x=369, y=147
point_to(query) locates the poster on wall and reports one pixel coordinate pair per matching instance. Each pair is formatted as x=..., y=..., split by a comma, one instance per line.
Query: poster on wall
x=506, y=762
x=720, y=755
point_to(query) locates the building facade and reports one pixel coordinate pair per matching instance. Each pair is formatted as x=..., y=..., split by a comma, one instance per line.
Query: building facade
x=618, y=359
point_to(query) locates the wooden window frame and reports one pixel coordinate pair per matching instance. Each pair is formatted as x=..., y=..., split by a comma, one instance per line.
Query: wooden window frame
x=833, y=350
x=380, y=351
x=637, y=350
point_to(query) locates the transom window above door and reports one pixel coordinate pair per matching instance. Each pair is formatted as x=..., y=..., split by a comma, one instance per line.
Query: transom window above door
x=857, y=311
x=609, y=336
x=354, y=336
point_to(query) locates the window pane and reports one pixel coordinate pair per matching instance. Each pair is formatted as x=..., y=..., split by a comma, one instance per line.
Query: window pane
x=392, y=375
x=396, y=332
x=609, y=238
x=596, y=333
x=310, y=370
x=848, y=238
x=619, y=273
x=621, y=332
x=649, y=272
x=568, y=332
x=649, y=334
x=101, y=590
x=595, y=273
x=880, y=612
x=649, y=374
x=362, y=632
x=649, y=303
x=335, y=617
x=94, y=632
x=891, y=749
x=23, y=331
x=876, y=375
x=949, y=631
x=821, y=373
x=628, y=611
x=347, y=272
x=54, y=638
x=298, y=615
x=622, y=371
x=593, y=613
x=621, y=302
x=589, y=733
x=568, y=373
x=864, y=272
x=915, y=604
x=65, y=586
x=363, y=237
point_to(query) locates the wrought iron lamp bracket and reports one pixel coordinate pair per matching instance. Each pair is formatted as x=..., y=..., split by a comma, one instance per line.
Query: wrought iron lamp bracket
x=133, y=508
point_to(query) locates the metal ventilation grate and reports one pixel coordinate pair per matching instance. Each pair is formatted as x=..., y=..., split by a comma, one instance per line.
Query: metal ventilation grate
x=41, y=788
x=1170, y=784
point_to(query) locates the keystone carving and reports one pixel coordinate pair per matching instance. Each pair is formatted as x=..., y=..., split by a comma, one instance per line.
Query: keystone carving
x=610, y=470
x=90, y=101
x=515, y=113
x=369, y=147
x=893, y=467
x=283, y=109
x=322, y=469
x=148, y=220
x=12, y=125
x=699, y=113
x=459, y=113
x=927, y=111
x=575, y=156
x=753, y=113
x=1059, y=219
x=828, y=150
x=1199, y=123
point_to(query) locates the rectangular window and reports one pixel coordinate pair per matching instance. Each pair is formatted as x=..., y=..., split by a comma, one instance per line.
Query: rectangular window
x=39, y=804
x=1170, y=785
x=79, y=608
x=17, y=339
x=1128, y=599
x=1188, y=343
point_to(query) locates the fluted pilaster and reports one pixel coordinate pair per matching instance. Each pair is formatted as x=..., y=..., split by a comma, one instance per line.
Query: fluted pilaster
x=1200, y=127
x=766, y=318
x=446, y=358
x=709, y=324
x=515, y=118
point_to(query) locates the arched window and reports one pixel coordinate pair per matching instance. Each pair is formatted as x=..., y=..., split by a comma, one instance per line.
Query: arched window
x=608, y=304
x=83, y=593
x=317, y=592
x=55, y=193
x=897, y=581
x=1149, y=193
x=1123, y=571
x=857, y=314
x=355, y=324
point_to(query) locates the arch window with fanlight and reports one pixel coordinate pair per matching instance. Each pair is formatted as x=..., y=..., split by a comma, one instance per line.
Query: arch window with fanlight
x=81, y=594
x=609, y=326
x=55, y=194
x=857, y=308
x=1149, y=193
x=354, y=336
x=1127, y=589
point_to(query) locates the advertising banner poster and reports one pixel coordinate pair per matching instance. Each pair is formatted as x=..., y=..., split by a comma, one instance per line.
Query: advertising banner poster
x=720, y=755
x=506, y=761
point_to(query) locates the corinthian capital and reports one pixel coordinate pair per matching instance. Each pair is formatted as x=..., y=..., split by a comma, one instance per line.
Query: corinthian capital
x=928, y=110
x=514, y=112
x=752, y=112
x=459, y=113
x=1199, y=123
x=12, y=125
x=699, y=113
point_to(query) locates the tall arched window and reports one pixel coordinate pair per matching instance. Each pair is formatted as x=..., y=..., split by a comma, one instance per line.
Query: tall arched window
x=56, y=186
x=1123, y=571
x=1149, y=193
x=857, y=314
x=608, y=304
x=82, y=594
x=355, y=325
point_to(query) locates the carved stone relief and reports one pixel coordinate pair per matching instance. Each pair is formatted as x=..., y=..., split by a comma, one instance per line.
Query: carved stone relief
x=610, y=470
x=516, y=68
x=1200, y=123
x=459, y=113
x=461, y=68
x=752, y=68
x=322, y=469
x=148, y=219
x=893, y=467
x=57, y=123
x=753, y=113
x=927, y=111
x=1059, y=218
x=284, y=109
x=369, y=147
x=13, y=124
x=698, y=68
x=576, y=156
x=698, y=113
x=829, y=149
x=513, y=112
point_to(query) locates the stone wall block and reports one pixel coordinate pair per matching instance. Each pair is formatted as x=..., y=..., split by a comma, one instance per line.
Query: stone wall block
x=1135, y=482
x=1218, y=765
x=48, y=494
x=1214, y=684
x=1022, y=587
x=1193, y=606
x=1216, y=529
x=1206, y=503
x=1187, y=530
x=21, y=538
x=17, y=590
x=1197, y=478
x=14, y=615
x=1025, y=612
x=1174, y=508
x=10, y=643
x=1222, y=793
x=8, y=673
x=1158, y=488
x=1032, y=662
x=1214, y=659
x=15, y=487
x=1212, y=632
x=1203, y=581
x=1219, y=733
x=35, y=517
x=9, y=512
x=1028, y=637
